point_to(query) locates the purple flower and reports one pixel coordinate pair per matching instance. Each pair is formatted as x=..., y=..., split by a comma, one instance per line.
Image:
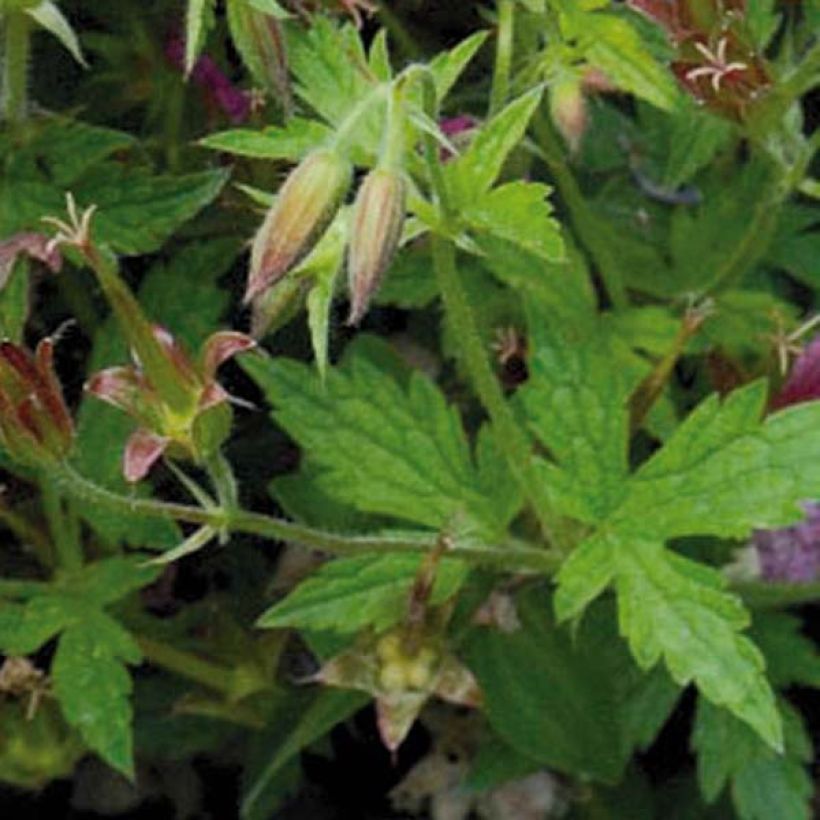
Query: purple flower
x=791, y=554
x=209, y=76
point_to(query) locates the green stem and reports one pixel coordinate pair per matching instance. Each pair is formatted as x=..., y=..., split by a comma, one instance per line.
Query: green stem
x=187, y=665
x=511, y=556
x=590, y=229
x=341, y=137
x=21, y=589
x=68, y=550
x=503, y=56
x=138, y=330
x=27, y=534
x=16, y=52
x=393, y=143
x=222, y=477
x=517, y=446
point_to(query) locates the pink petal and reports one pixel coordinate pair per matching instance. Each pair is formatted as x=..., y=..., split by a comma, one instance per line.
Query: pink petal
x=141, y=453
x=222, y=346
x=176, y=353
x=120, y=386
x=35, y=245
x=212, y=395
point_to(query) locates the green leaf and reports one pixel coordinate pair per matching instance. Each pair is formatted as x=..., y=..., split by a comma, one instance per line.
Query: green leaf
x=690, y=481
x=260, y=42
x=792, y=658
x=111, y=579
x=613, y=45
x=763, y=784
x=93, y=686
x=199, y=19
x=14, y=301
x=448, y=66
x=520, y=213
x=323, y=266
x=292, y=141
x=544, y=695
x=328, y=707
x=271, y=143
x=695, y=138
x=384, y=449
x=24, y=629
x=349, y=594
x=270, y=7
x=136, y=211
x=378, y=60
x=48, y=16
x=669, y=607
x=473, y=173
x=678, y=609
x=329, y=64
x=576, y=404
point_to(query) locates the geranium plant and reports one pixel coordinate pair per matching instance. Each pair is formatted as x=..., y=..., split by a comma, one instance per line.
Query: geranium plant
x=469, y=390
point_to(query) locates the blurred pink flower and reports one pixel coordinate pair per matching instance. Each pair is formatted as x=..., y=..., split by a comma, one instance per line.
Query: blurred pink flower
x=219, y=90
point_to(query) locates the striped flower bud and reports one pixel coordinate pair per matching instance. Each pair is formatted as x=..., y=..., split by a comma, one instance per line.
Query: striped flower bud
x=306, y=205
x=378, y=217
x=35, y=426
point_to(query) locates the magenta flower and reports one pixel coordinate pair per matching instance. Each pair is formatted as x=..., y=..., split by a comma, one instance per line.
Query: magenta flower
x=218, y=89
x=34, y=245
x=803, y=383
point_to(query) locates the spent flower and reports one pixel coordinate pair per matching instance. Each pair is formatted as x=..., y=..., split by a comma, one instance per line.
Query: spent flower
x=192, y=432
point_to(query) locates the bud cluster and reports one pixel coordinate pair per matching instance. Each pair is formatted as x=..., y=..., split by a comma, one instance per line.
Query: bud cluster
x=307, y=203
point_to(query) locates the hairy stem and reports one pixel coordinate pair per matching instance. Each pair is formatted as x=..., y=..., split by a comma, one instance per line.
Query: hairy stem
x=186, y=665
x=68, y=549
x=516, y=444
x=510, y=557
x=16, y=50
x=586, y=223
x=503, y=56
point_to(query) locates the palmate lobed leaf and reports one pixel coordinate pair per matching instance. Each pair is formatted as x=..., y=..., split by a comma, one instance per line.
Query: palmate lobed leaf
x=90, y=678
x=669, y=608
x=383, y=449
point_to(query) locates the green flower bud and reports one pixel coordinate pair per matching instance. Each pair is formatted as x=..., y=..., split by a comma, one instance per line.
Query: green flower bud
x=378, y=218
x=568, y=110
x=306, y=205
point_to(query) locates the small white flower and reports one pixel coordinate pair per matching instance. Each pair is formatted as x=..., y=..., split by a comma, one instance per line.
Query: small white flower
x=718, y=67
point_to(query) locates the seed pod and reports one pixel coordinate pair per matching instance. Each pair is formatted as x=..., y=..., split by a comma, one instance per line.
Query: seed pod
x=378, y=217
x=306, y=204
